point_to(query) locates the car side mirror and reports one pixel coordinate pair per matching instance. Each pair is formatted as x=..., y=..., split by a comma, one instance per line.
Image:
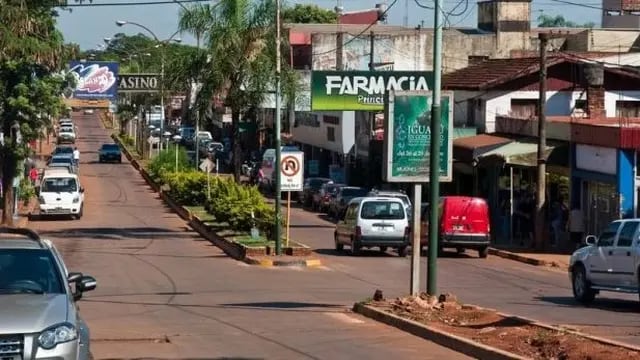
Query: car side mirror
x=74, y=277
x=87, y=283
x=591, y=240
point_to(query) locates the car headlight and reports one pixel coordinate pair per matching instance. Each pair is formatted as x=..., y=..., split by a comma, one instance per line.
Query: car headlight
x=76, y=199
x=41, y=199
x=57, y=334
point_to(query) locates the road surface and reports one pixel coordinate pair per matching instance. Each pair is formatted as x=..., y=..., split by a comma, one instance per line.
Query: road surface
x=163, y=292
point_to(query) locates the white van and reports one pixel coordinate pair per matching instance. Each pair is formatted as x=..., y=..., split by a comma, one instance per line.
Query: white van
x=60, y=193
x=373, y=222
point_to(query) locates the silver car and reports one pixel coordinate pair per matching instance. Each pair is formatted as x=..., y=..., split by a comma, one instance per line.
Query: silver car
x=39, y=317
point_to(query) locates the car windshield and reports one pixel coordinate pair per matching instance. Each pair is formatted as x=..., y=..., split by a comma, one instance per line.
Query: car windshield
x=60, y=160
x=29, y=271
x=353, y=192
x=67, y=184
x=66, y=129
x=63, y=150
x=110, y=147
x=382, y=210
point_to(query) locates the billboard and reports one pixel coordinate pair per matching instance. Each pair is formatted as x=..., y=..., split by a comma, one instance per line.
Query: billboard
x=362, y=90
x=138, y=83
x=407, y=155
x=95, y=79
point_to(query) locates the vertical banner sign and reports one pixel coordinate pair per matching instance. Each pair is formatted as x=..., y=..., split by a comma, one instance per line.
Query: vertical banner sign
x=406, y=148
x=95, y=79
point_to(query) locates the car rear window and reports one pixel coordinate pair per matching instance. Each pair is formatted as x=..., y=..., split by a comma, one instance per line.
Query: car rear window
x=59, y=185
x=382, y=210
x=110, y=147
x=60, y=161
x=317, y=183
x=354, y=192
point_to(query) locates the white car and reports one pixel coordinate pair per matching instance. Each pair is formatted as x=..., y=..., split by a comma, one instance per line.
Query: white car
x=66, y=135
x=609, y=262
x=61, y=194
x=88, y=111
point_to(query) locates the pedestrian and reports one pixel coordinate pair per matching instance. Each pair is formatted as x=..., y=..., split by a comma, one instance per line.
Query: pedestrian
x=558, y=217
x=576, y=226
x=33, y=175
x=76, y=155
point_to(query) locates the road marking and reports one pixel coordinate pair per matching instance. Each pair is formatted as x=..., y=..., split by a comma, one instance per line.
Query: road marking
x=345, y=318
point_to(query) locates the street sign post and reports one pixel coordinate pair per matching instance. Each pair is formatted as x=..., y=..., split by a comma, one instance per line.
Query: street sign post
x=292, y=175
x=207, y=166
x=407, y=154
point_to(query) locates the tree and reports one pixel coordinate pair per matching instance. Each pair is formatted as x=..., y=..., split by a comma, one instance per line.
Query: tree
x=31, y=52
x=560, y=21
x=308, y=14
x=196, y=20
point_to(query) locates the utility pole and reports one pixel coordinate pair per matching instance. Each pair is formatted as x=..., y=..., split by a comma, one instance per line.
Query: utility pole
x=434, y=157
x=541, y=185
x=276, y=167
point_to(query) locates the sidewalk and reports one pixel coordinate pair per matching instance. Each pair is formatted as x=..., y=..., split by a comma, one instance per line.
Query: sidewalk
x=532, y=257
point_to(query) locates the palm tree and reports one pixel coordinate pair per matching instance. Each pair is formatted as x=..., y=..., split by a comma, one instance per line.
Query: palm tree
x=195, y=20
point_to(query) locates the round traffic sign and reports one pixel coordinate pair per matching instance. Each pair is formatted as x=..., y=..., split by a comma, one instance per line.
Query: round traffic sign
x=290, y=166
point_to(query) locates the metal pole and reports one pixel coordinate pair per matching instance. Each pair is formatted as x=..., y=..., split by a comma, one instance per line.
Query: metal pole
x=415, y=244
x=161, y=96
x=511, y=205
x=288, y=215
x=276, y=168
x=434, y=162
x=176, y=156
x=196, y=138
x=542, y=144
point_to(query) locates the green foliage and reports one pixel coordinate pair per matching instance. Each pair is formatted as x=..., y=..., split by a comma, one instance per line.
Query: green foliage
x=308, y=14
x=128, y=141
x=165, y=163
x=188, y=188
x=27, y=190
x=560, y=21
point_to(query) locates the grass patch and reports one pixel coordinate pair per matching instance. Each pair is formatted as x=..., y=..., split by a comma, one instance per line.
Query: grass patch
x=248, y=241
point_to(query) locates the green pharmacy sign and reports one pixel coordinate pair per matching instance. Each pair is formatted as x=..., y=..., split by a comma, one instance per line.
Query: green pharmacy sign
x=361, y=90
x=408, y=136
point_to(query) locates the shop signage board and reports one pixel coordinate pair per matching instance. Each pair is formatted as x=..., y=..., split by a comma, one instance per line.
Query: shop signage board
x=292, y=170
x=138, y=83
x=362, y=90
x=408, y=141
x=94, y=79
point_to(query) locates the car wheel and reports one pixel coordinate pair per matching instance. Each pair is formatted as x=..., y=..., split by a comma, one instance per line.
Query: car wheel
x=339, y=246
x=355, y=247
x=383, y=249
x=460, y=250
x=403, y=251
x=582, y=290
x=120, y=160
x=483, y=252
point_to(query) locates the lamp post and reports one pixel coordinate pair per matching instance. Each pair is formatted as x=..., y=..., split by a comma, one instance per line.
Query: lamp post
x=162, y=59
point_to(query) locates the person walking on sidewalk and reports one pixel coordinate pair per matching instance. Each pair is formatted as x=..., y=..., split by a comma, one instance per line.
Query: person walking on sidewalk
x=33, y=175
x=76, y=156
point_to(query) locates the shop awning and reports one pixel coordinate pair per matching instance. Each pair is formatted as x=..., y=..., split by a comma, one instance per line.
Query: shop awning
x=471, y=148
x=525, y=153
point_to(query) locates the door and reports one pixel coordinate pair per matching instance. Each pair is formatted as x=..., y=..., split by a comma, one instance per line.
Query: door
x=623, y=257
x=601, y=256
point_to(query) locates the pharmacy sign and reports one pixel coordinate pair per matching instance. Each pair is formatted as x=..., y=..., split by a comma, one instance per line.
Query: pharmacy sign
x=362, y=90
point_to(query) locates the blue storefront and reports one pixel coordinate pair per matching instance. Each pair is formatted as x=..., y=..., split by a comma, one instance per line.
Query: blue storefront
x=602, y=184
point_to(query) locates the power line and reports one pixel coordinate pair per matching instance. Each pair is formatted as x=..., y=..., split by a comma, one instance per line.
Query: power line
x=360, y=33
x=158, y=2
x=579, y=4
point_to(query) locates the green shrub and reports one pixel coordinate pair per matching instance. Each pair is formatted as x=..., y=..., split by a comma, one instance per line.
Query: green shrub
x=165, y=162
x=187, y=188
x=127, y=140
x=27, y=190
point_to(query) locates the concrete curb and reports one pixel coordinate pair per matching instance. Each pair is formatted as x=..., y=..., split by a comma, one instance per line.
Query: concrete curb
x=232, y=249
x=459, y=344
x=525, y=259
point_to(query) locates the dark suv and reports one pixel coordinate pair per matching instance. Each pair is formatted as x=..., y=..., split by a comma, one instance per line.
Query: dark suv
x=39, y=318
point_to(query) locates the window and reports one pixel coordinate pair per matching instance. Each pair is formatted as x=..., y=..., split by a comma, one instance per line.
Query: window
x=580, y=104
x=331, y=134
x=609, y=234
x=29, y=271
x=628, y=108
x=59, y=185
x=625, y=239
x=333, y=120
x=524, y=108
x=382, y=210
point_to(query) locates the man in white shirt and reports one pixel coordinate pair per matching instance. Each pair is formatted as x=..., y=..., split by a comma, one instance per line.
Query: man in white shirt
x=76, y=156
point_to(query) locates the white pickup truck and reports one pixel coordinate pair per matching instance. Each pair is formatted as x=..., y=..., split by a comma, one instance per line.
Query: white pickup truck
x=609, y=262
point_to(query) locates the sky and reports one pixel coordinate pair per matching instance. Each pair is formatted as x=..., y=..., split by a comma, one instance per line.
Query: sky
x=88, y=26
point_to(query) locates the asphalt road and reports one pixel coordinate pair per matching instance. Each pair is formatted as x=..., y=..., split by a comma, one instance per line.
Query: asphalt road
x=511, y=287
x=163, y=292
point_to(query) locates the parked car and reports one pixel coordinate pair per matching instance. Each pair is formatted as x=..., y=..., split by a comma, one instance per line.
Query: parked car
x=61, y=194
x=66, y=135
x=342, y=198
x=38, y=295
x=322, y=198
x=373, y=222
x=88, y=111
x=63, y=160
x=62, y=149
x=109, y=152
x=395, y=194
x=608, y=262
x=464, y=223
x=311, y=186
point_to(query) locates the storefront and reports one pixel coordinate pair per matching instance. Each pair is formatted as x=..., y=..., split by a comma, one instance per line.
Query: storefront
x=602, y=185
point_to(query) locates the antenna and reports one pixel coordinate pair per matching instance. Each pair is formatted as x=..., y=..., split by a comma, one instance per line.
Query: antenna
x=405, y=20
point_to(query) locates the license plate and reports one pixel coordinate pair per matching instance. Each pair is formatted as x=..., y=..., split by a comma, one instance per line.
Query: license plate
x=458, y=227
x=384, y=228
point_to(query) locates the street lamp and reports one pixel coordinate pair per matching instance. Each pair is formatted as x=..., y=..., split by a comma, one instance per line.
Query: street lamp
x=162, y=60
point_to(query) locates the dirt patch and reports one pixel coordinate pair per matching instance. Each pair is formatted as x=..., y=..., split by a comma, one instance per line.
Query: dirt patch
x=490, y=328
